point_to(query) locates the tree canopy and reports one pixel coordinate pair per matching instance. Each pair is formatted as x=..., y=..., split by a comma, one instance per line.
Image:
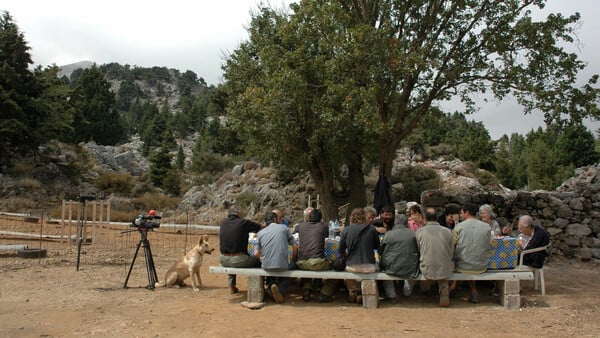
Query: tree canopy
x=315, y=87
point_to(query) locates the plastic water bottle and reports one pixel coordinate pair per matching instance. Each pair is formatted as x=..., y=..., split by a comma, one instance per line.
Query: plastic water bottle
x=331, y=230
x=336, y=228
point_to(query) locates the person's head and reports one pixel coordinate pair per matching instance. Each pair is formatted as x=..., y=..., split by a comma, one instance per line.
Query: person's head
x=370, y=214
x=430, y=215
x=415, y=210
x=270, y=217
x=387, y=214
x=357, y=216
x=280, y=215
x=451, y=213
x=486, y=213
x=307, y=212
x=236, y=210
x=526, y=225
x=401, y=220
x=315, y=216
x=468, y=210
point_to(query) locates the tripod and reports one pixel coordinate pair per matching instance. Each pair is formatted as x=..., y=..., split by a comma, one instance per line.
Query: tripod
x=81, y=230
x=150, y=270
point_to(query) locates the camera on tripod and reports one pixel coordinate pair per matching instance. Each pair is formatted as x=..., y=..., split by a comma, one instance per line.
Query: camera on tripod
x=147, y=222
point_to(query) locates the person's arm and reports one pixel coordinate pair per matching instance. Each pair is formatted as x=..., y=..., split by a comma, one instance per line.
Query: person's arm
x=342, y=247
x=377, y=242
x=294, y=252
x=257, y=248
x=538, y=239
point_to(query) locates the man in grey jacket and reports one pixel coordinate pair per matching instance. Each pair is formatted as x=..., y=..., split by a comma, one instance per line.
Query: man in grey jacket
x=436, y=250
x=472, y=246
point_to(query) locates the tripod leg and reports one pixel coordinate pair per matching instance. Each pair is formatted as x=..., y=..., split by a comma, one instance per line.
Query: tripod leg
x=153, y=268
x=80, y=236
x=132, y=262
x=79, y=239
x=150, y=270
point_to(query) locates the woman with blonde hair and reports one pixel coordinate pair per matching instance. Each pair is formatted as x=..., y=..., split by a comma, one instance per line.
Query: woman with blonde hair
x=358, y=242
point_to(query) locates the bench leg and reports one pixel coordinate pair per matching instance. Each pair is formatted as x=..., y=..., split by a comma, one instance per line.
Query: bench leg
x=510, y=293
x=256, y=291
x=370, y=295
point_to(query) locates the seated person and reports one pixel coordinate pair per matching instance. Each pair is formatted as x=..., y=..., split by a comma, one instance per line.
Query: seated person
x=450, y=217
x=533, y=237
x=471, y=239
x=360, y=239
x=311, y=256
x=233, y=241
x=486, y=214
x=415, y=217
x=436, y=249
x=386, y=219
x=272, y=249
x=399, y=257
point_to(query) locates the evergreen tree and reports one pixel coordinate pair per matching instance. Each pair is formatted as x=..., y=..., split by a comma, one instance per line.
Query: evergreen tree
x=33, y=105
x=180, y=158
x=17, y=88
x=576, y=146
x=160, y=164
x=95, y=116
x=172, y=182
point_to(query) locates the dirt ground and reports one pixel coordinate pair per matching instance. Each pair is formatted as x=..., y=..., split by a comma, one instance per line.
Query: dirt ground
x=49, y=298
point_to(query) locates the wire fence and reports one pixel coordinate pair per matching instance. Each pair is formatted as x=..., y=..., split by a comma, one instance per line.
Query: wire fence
x=102, y=242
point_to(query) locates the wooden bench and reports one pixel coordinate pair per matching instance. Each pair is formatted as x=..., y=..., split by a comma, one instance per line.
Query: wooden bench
x=509, y=285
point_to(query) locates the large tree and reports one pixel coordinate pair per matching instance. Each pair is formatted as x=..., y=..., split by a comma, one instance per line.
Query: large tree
x=96, y=118
x=33, y=104
x=331, y=74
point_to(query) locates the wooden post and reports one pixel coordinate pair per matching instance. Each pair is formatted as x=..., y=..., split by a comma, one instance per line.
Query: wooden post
x=100, y=222
x=94, y=224
x=70, y=204
x=62, y=223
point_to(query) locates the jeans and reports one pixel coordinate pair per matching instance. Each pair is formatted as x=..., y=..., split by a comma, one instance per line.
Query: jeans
x=282, y=282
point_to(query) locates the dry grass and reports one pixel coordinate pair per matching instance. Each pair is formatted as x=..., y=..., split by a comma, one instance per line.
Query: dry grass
x=28, y=183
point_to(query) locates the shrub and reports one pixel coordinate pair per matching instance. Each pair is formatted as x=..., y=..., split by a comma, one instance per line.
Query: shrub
x=20, y=204
x=246, y=198
x=120, y=183
x=486, y=178
x=415, y=180
x=28, y=183
x=210, y=162
x=155, y=201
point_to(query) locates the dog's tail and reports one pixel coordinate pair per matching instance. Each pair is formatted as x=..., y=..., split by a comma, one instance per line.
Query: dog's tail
x=159, y=284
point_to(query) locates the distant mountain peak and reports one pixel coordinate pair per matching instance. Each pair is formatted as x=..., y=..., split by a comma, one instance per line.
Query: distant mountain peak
x=67, y=70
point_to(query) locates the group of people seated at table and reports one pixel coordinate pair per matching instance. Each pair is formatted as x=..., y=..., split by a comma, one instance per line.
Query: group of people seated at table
x=420, y=242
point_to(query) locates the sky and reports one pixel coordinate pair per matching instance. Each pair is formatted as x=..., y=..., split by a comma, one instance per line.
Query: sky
x=198, y=35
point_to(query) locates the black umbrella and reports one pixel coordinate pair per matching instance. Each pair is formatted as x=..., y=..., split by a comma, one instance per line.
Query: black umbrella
x=383, y=194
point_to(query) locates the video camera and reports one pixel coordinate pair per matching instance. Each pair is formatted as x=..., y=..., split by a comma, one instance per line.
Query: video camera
x=146, y=222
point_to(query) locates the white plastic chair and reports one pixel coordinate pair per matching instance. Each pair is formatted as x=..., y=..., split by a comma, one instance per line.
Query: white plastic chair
x=538, y=273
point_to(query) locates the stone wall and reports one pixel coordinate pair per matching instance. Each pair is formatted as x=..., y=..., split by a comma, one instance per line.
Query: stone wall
x=571, y=214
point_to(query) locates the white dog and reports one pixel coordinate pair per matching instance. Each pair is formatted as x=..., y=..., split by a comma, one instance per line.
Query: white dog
x=188, y=266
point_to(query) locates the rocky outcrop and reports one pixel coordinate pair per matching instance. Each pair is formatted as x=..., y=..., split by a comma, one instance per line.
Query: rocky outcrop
x=126, y=157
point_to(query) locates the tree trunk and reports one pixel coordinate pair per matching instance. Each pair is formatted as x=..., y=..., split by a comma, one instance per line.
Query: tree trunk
x=387, y=151
x=358, y=197
x=322, y=176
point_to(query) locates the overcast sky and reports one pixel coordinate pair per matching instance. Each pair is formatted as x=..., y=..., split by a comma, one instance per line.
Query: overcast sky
x=196, y=35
